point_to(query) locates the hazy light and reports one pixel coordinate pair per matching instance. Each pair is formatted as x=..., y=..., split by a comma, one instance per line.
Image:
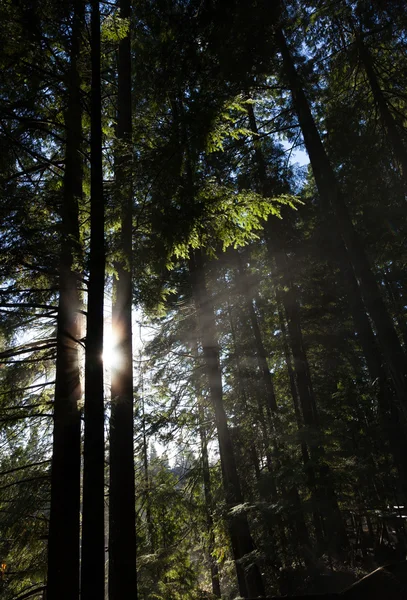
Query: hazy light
x=111, y=353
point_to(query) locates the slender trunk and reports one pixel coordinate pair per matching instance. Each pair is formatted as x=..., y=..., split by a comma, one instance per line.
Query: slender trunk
x=122, y=512
x=270, y=406
x=93, y=530
x=296, y=390
x=150, y=526
x=301, y=367
x=63, y=539
x=276, y=252
x=324, y=490
x=208, y=503
x=264, y=493
x=271, y=447
x=389, y=411
x=398, y=303
x=331, y=196
x=260, y=349
x=241, y=388
x=387, y=118
x=250, y=581
x=302, y=531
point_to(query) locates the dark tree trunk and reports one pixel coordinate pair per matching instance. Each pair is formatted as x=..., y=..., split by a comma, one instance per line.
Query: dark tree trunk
x=268, y=428
x=322, y=485
x=307, y=416
x=242, y=392
x=122, y=514
x=249, y=579
x=398, y=304
x=331, y=196
x=301, y=367
x=260, y=349
x=93, y=530
x=150, y=525
x=63, y=539
x=270, y=405
x=271, y=492
x=302, y=531
x=390, y=413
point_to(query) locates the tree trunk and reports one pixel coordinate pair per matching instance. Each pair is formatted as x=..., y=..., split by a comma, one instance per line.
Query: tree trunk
x=122, y=514
x=150, y=525
x=63, y=538
x=241, y=388
x=249, y=579
x=390, y=413
x=302, y=531
x=260, y=350
x=322, y=485
x=331, y=196
x=271, y=491
x=398, y=304
x=93, y=536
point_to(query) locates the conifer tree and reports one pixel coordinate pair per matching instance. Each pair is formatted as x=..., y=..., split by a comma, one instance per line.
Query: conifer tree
x=63, y=544
x=93, y=513
x=122, y=526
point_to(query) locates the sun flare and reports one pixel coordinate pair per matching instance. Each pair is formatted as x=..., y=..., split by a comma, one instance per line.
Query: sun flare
x=111, y=353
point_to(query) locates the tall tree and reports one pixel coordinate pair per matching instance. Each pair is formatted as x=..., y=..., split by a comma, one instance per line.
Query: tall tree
x=122, y=516
x=64, y=543
x=93, y=514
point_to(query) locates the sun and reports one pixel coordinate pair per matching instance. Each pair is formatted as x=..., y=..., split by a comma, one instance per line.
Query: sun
x=111, y=353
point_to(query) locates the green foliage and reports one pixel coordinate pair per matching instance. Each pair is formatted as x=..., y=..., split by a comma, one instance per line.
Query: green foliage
x=226, y=126
x=169, y=571
x=228, y=218
x=114, y=28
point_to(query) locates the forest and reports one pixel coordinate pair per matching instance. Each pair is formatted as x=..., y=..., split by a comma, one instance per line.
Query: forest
x=203, y=297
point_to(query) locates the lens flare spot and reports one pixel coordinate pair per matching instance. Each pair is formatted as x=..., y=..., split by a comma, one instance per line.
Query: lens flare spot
x=111, y=353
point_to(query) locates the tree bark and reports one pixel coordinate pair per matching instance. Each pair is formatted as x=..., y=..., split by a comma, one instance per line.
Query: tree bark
x=249, y=578
x=64, y=528
x=122, y=514
x=93, y=530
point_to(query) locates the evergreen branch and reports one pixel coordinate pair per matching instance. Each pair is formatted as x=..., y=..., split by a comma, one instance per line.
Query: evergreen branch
x=43, y=462
x=28, y=480
x=27, y=305
x=30, y=347
x=23, y=417
x=37, y=590
x=27, y=407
